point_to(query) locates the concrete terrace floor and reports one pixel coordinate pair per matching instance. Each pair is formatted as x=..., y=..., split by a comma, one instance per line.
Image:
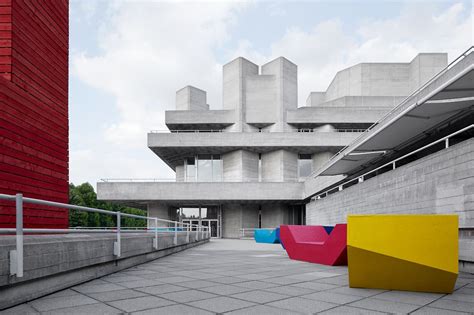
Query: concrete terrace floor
x=241, y=277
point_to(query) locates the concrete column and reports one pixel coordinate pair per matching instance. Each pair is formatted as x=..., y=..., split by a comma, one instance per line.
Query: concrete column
x=160, y=211
x=233, y=97
x=319, y=159
x=237, y=216
x=286, y=74
x=240, y=166
x=191, y=98
x=180, y=173
x=279, y=166
x=273, y=215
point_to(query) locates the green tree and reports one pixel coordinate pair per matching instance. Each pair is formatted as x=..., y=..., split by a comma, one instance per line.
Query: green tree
x=84, y=195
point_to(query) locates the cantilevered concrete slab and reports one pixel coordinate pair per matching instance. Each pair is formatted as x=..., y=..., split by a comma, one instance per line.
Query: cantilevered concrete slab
x=174, y=147
x=188, y=193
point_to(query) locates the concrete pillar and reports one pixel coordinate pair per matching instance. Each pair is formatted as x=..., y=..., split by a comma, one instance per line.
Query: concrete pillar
x=160, y=211
x=320, y=158
x=286, y=74
x=236, y=217
x=240, y=166
x=279, y=166
x=233, y=97
x=191, y=98
x=273, y=215
x=179, y=173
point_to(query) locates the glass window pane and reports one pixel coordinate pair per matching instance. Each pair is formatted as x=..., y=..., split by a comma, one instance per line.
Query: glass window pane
x=217, y=170
x=304, y=168
x=204, y=170
x=190, y=213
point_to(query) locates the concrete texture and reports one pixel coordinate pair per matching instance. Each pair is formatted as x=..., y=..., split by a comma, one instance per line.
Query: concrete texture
x=241, y=277
x=442, y=182
x=52, y=263
x=145, y=192
x=191, y=98
x=158, y=210
x=260, y=117
x=382, y=79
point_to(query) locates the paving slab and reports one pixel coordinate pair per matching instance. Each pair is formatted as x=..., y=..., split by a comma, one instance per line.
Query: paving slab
x=141, y=303
x=301, y=305
x=241, y=277
x=221, y=304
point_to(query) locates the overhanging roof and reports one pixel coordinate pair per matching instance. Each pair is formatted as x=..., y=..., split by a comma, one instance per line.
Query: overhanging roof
x=448, y=94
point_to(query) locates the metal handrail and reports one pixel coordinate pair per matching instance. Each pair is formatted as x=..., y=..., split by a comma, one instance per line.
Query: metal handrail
x=393, y=162
x=303, y=130
x=16, y=255
x=141, y=180
x=393, y=110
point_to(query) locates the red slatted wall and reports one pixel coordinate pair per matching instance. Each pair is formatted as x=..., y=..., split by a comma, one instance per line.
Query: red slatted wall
x=34, y=108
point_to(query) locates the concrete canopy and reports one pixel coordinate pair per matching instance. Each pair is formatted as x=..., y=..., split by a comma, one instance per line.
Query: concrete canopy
x=449, y=94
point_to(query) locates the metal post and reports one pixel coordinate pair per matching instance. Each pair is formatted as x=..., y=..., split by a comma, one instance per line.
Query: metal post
x=197, y=233
x=175, y=241
x=16, y=255
x=361, y=179
x=155, y=241
x=187, y=233
x=394, y=166
x=117, y=248
x=446, y=143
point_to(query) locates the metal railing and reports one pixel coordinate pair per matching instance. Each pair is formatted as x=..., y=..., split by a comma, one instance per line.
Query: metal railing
x=250, y=232
x=303, y=130
x=141, y=180
x=393, y=164
x=16, y=255
x=397, y=110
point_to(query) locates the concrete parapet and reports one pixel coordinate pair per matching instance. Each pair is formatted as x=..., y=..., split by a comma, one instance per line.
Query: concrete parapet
x=54, y=263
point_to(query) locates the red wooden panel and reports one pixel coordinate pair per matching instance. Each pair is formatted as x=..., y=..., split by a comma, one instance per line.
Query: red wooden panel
x=34, y=120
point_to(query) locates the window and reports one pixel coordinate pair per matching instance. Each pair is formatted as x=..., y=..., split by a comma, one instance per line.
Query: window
x=305, y=166
x=203, y=168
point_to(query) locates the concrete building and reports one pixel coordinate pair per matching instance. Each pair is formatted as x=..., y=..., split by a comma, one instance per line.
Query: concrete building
x=249, y=165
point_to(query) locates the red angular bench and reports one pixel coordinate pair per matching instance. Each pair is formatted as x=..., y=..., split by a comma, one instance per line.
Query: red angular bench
x=314, y=244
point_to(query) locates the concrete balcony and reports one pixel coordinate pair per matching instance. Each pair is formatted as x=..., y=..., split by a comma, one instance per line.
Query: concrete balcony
x=339, y=117
x=187, y=193
x=199, y=119
x=173, y=147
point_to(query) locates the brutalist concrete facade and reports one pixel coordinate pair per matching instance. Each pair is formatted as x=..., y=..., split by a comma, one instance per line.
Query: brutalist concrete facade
x=250, y=159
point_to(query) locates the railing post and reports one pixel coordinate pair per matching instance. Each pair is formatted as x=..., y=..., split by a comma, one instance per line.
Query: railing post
x=175, y=241
x=197, y=233
x=187, y=233
x=155, y=241
x=446, y=143
x=16, y=255
x=117, y=245
x=393, y=165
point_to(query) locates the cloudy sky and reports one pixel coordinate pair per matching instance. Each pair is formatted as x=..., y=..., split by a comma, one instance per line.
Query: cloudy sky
x=127, y=59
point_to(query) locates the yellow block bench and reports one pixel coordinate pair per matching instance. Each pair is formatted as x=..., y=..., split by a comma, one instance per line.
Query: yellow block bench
x=403, y=252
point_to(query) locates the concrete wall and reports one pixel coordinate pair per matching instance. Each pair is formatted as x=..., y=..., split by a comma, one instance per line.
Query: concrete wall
x=279, y=166
x=261, y=99
x=180, y=173
x=196, y=192
x=382, y=79
x=159, y=211
x=191, y=98
x=274, y=214
x=53, y=263
x=439, y=183
x=286, y=74
x=237, y=216
x=240, y=166
x=233, y=91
